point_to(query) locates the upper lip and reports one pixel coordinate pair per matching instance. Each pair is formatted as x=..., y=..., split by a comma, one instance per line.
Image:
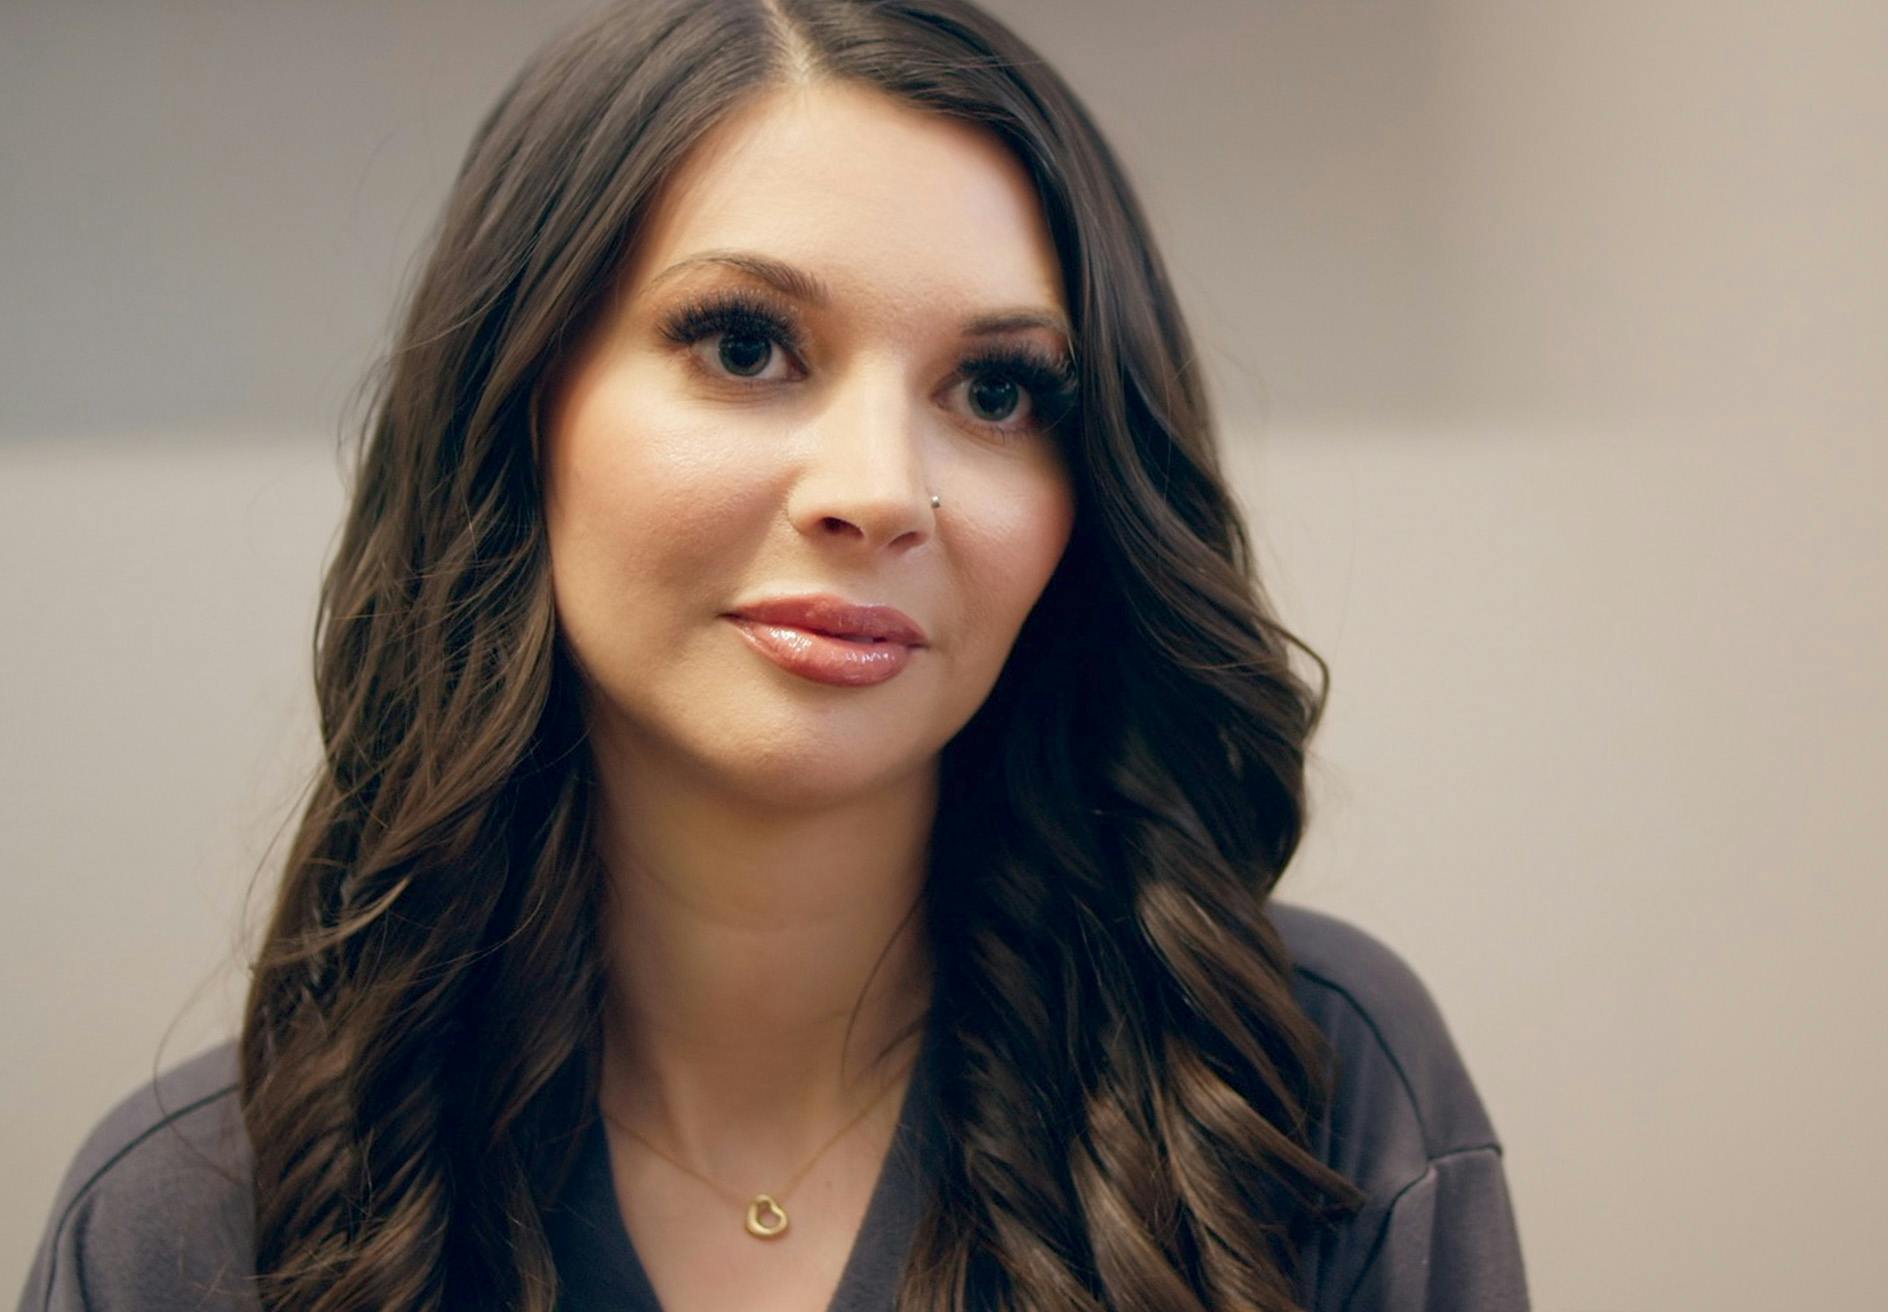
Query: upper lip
x=836, y=617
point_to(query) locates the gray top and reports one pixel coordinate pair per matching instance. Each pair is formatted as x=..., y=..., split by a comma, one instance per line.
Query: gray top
x=154, y=1212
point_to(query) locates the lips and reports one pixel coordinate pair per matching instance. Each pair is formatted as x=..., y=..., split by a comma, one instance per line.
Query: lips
x=829, y=640
x=837, y=618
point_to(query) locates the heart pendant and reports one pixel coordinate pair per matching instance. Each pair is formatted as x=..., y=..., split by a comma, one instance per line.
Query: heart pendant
x=765, y=1217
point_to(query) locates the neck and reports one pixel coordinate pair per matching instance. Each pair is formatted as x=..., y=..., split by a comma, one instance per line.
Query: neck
x=762, y=963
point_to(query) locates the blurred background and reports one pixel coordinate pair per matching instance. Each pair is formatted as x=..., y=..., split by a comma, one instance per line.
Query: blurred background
x=1550, y=344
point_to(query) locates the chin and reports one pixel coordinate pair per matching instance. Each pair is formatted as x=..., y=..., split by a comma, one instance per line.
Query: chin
x=816, y=772
x=780, y=748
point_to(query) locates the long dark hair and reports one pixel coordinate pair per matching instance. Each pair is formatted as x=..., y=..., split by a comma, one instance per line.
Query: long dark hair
x=1128, y=1087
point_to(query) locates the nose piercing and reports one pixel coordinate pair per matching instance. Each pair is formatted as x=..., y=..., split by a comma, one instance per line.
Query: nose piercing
x=936, y=501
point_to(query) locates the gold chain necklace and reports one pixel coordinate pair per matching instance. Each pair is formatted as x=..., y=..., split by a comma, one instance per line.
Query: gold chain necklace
x=766, y=1217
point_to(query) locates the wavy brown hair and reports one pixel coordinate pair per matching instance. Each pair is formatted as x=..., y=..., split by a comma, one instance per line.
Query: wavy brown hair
x=1128, y=1087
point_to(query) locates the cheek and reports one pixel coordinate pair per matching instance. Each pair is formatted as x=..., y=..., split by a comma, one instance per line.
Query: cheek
x=1014, y=538
x=646, y=493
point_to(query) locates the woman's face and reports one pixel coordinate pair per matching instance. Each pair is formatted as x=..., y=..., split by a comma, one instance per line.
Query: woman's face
x=838, y=307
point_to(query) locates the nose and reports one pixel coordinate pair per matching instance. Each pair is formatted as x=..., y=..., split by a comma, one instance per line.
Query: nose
x=862, y=484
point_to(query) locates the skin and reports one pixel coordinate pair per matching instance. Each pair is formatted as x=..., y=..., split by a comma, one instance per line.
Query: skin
x=765, y=834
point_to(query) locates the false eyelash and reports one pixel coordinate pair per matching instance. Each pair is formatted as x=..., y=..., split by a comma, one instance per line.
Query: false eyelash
x=743, y=313
x=1051, y=381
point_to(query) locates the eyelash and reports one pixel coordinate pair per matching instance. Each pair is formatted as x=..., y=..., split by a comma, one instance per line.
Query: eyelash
x=1050, y=383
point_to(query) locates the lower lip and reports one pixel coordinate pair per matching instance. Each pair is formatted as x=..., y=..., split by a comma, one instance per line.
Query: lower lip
x=822, y=657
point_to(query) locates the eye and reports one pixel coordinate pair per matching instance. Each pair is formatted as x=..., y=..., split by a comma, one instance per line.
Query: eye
x=995, y=399
x=1012, y=390
x=747, y=334
x=744, y=354
x=1009, y=390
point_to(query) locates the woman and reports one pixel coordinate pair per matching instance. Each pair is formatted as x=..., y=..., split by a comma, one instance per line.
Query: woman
x=806, y=757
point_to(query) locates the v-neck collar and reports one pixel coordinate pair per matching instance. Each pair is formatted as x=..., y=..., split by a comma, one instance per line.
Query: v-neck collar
x=597, y=1264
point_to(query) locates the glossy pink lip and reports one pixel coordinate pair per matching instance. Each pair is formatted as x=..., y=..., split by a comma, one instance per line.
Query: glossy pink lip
x=830, y=640
x=838, y=618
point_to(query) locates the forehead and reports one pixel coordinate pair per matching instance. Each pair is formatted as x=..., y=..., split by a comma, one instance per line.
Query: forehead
x=889, y=205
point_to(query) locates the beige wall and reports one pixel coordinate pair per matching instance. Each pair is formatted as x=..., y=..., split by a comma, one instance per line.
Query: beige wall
x=1550, y=343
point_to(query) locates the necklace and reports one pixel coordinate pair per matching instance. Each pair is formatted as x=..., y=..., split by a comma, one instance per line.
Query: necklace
x=766, y=1216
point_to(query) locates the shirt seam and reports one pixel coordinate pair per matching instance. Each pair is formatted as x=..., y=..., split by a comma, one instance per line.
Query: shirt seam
x=1389, y=1052
x=78, y=1195
x=1389, y=1212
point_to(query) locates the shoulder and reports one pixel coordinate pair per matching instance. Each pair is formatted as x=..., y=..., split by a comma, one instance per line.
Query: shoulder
x=154, y=1212
x=1408, y=1128
x=1404, y=1095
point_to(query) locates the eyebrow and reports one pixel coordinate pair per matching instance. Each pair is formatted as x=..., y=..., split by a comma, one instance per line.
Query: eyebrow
x=803, y=286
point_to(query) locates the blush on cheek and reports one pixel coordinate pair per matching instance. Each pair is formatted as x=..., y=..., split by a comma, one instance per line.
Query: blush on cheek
x=680, y=507
x=1034, y=538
